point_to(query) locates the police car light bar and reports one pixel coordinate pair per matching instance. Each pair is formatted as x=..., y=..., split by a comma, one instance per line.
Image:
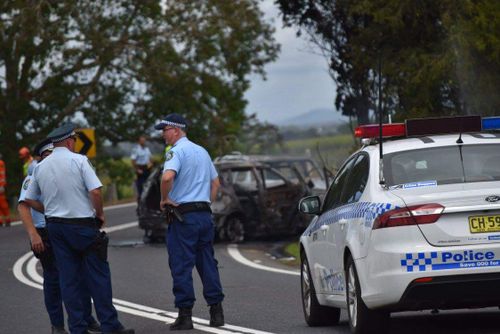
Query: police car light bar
x=491, y=123
x=372, y=130
x=442, y=125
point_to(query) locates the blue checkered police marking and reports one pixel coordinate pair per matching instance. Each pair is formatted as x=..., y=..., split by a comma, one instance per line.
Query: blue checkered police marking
x=464, y=259
x=366, y=210
x=418, y=261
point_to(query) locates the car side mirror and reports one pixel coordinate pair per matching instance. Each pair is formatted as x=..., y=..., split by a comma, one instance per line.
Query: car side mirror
x=310, y=205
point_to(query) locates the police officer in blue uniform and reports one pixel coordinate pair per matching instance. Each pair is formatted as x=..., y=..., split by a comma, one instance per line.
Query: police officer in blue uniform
x=34, y=223
x=71, y=195
x=189, y=183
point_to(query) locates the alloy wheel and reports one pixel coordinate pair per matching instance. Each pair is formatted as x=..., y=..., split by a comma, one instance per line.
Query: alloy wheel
x=306, y=289
x=352, y=297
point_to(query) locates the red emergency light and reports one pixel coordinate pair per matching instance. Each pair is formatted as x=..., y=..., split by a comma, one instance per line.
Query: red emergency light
x=388, y=130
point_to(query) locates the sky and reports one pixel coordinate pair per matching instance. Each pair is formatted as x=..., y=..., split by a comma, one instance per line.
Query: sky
x=297, y=82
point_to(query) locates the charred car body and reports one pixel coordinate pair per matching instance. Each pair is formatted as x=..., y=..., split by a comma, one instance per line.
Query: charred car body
x=254, y=200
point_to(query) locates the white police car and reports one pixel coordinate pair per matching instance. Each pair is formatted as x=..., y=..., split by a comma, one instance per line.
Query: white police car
x=423, y=234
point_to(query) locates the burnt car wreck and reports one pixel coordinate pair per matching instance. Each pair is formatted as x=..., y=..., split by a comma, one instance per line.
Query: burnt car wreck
x=255, y=200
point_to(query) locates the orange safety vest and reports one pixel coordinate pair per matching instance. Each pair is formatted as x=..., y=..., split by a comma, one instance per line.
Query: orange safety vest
x=3, y=175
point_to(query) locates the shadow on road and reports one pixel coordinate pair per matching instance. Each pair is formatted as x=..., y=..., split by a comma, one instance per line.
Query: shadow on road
x=459, y=322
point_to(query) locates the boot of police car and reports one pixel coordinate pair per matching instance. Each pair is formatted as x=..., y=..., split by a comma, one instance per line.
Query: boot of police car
x=183, y=321
x=216, y=315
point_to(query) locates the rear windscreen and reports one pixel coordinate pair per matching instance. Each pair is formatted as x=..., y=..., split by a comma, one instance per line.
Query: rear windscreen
x=443, y=165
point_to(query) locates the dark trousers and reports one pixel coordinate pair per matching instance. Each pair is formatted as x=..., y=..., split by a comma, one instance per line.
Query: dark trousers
x=190, y=244
x=51, y=287
x=141, y=179
x=70, y=243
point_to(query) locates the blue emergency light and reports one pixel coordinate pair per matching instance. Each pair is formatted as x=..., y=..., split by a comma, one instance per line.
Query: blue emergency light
x=491, y=123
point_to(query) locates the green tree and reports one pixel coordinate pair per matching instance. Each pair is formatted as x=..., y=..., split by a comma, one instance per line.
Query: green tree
x=433, y=57
x=120, y=65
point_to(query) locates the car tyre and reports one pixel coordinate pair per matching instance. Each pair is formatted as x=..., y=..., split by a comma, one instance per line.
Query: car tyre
x=314, y=313
x=234, y=229
x=362, y=320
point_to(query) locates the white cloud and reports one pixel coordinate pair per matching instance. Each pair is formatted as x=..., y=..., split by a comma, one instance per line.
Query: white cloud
x=296, y=83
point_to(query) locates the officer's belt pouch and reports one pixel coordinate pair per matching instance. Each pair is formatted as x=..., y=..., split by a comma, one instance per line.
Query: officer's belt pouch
x=100, y=246
x=194, y=207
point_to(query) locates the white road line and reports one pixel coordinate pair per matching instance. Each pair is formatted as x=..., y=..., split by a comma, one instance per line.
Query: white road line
x=234, y=252
x=119, y=227
x=34, y=279
x=106, y=208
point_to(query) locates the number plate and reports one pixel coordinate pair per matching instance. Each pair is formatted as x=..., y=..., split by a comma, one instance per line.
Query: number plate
x=484, y=224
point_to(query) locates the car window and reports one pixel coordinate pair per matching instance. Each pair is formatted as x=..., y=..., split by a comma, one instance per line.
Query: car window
x=289, y=173
x=272, y=179
x=244, y=179
x=332, y=198
x=444, y=165
x=356, y=183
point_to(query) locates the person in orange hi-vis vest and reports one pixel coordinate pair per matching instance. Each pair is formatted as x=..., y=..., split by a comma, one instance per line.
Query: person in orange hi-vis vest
x=4, y=204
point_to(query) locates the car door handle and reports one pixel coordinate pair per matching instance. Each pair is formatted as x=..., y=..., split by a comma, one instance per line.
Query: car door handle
x=343, y=221
x=324, y=227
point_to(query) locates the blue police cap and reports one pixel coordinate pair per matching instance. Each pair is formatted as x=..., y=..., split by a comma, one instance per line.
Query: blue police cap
x=63, y=132
x=43, y=146
x=174, y=120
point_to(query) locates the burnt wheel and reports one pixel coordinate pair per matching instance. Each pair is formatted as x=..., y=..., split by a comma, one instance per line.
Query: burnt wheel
x=234, y=229
x=314, y=313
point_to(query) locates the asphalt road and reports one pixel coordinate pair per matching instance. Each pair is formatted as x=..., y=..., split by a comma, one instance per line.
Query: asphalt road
x=258, y=300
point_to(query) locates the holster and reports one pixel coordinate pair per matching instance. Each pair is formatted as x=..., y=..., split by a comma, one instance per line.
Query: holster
x=172, y=212
x=99, y=246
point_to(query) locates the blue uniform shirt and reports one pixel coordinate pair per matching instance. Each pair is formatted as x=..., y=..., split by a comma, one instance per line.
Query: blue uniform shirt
x=141, y=155
x=63, y=180
x=194, y=172
x=38, y=218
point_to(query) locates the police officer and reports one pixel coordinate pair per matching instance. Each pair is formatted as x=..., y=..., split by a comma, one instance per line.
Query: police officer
x=71, y=196
x=189, y=182
x=141, y=160
x=34, y=223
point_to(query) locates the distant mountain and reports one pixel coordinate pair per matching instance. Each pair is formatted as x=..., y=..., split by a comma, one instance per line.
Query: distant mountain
x=315, y=117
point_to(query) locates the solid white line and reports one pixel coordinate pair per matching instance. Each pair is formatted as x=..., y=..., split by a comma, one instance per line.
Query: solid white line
x=18, y=271
x=119, y=206
x=120, y=227
x=234, y=252
x=106, y=208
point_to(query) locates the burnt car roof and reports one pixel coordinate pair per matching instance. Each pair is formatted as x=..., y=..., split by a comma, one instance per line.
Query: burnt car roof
x=255, y=158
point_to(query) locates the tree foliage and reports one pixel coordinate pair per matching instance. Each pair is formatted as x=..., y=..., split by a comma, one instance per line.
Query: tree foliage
x=435, y=57
x=118, y=66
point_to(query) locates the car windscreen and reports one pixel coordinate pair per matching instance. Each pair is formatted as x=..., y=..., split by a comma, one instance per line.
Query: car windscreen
x=443, y=165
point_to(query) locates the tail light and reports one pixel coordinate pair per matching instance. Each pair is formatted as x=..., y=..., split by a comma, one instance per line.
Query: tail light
x=412, y=215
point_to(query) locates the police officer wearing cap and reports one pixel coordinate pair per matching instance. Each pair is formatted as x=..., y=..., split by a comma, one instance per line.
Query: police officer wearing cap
x=189, y=183
x=71, y=195
x=34, y=223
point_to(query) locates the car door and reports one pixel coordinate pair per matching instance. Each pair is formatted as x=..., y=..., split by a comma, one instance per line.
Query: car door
x=320, y=250
x=280, y=198
x=346, y=218
x=247, y=188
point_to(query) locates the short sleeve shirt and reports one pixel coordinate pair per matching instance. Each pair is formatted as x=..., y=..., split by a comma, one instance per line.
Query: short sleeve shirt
x=38, y=218
x=141, y=155
x=63, y=181
x=194, y=172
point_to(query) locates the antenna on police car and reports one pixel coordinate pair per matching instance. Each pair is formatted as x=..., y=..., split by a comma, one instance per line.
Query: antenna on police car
x=380, y=116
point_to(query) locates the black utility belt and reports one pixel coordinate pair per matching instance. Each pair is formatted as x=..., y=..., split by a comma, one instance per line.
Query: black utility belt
x=193, y=207
x=89, y=222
